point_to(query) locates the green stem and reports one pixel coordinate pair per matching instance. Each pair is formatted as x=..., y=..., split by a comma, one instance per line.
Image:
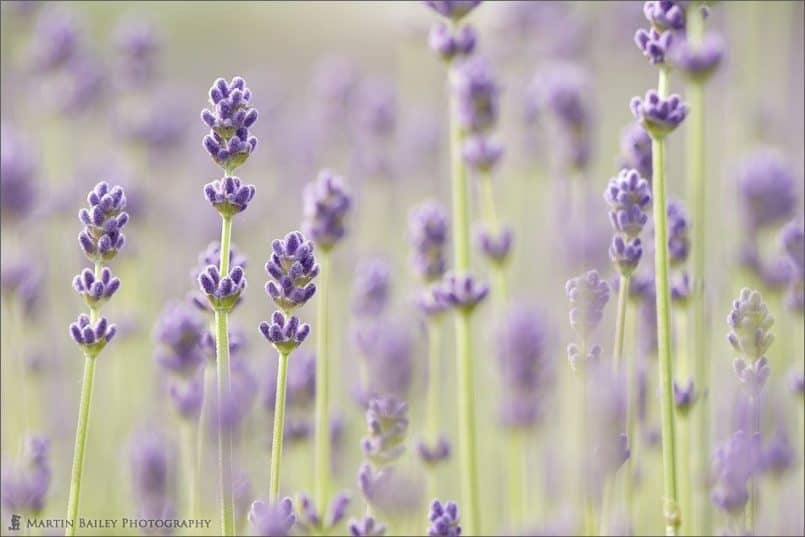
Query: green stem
x=279, y=426
x=683, y=425
x=671, y=505
x=80, y=443
x=515, y=441
x=458, y=177
x=434, y=390
x=466, y=420
x=224, y=389
x=751, y=506
x=322, y=440
x=202, y=419
x=631, y=429
x=620, y=322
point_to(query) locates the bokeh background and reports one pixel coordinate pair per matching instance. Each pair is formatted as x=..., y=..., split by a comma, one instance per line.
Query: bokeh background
x=352, y=86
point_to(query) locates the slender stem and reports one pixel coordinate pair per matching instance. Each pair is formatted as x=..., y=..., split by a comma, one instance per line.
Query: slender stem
x=461, y=260
x=751, y=506
x=322, y=441
x=279, y=427
x=466, y=420
x=80, y=444
x=631, y=429
x=620, y=322
x=683, y=425
x=434, y=359
x=671, y=506
x=202, y=419
x=515, y=441
x=189, y=458
x=224, y=389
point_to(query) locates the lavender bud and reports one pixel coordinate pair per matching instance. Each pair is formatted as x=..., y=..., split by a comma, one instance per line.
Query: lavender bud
x=496, y=248
x=18, y=168
x=228, y=195
x=285, y=333
x=588, y=295
x=366, y=527
x=462, y=291
x=222, y=293
x=636, y=150
x=24, y=486
x=665, y=14
x=653, y=44
x=92, y=339
x=449, y=44
x=684, y=397
x=452, y=9
x=443, y=520
x=678, y=239
x=101, y=238
x=698, y=62
x=482, y=153
x=370, y=293
x=326, y=204
x=312, y=522
x=657, y=115
x=96, y=292
x=272, y=520
x=477, y=95
x=681, y=289
x=229, y=142
x=372, y=483
x=750, y=323
x=180, y=332
x=767, y=190
x=387, y=424
x=152, y=461
x=792, y=238
x=427, y=234
x=291, y=267
x=734, y=463
x=433, y=455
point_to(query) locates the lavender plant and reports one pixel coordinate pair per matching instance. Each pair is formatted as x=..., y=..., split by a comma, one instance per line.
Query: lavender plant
x=229, y=143
x=327, y=203
x=291, y=268
x=101, y=239
x=24, y=486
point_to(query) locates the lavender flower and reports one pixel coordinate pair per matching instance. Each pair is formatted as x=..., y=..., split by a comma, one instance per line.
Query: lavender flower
x=427, y=234
x=796, y=382
x=629, y=197
x=525, y=369
x=766, y=188
x=366, y=527
x=180, y=333
x=137, y=43
x=588, y=295
x=24, y=487
x=664, y=14
x=636, y=150
x=654, y=45
x=496, y=248
x=92, y=339
x=444, y=520
x=326, y=204
x=477, y=95
x=228, y=195
x=462, y=291
x=187, y=396
x=272, y=520
x=698, y=62
x=681, y=289
x=152, y=475
x=430, y=301
x=452, y=9
x=301, y=382
x=22, y=280
x=377, y=107
x=18, y=168
x=370, y=293
x=734, y=463
x=285, y=333
x=102, y=237
x=291, y=266
x=386, y=348
x=482, y=153
x=792, y=238
x=387, y=422
x=312, y=522
x=451, y=44
x=678, y=239
x=56, y=40
x=96, y=291
x=778, y=455
x=684, y=396
x=657, y=115
x=750, y=336
x=229, y=143
x=222, y=293
x=373, y=482
x=432, y=455
x=752, y=375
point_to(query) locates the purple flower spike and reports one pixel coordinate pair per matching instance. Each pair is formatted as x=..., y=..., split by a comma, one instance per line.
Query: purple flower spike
x=272, y=520
x=92, y=339
x=371, y=285
x=326, y=205
x=285, y=333
x=222, y=293
x=653, y=44
x=430, y=302
x=433, y=454
x=137, y=44
x=778, y=455
x=366, y=527
x=96, y=291
x=681, y=289
x=684, y=396
x=449, y=44
x=629, y=197
x=625, y=253
x=187, y=396
x=734, y=463
x=291, y=268
x=792, y=238
x=228, y=195
x=752, y=375
x=18, y=168
x=657, y=115
x=452, y=9
x=588, y=295
x=230, y=119
x=387, y=423
x=698, y=62
x=678, y=239
x=180, y=333
x=477, y=94
x=461, y=291
x=636, y=150
x=767, y=190
x=496, y=248
x=665, y=14
x=103, y=221
x=444, y=520
x=482, y=153
x=312, y=522
x=56, y=40
x=750, y=323
x=24, y=486
x=427, y=234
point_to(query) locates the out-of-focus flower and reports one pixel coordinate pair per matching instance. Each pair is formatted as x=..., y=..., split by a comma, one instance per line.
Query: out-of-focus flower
x=750, y=335
x=734, y=463
x=684, y=396
x=56, y=39
x=778, y=455
x=444, y=520
x=311, y=521
x=427, y=234
x=366, y=527
x=654, y=45
x=371, y=288
x=636, y=150
x=450, y=44
x=657, y=115
x=268, y=520
x=24, y=487
x=767, y=190
x=386, y=348
x=433, y=454
x=18, y=169
x=678, y=238
x=137, y=44
x=482, y=153
x=452, y=9
x=664, y=14
x=461, y=291
x=326, y=205
x=495, y=247
x=187, y=395
x=102, y=237
x=152, y=474
x=387, y=423
x=698, y=62
x=180, y=332
x=588, y=295
x=477, y=95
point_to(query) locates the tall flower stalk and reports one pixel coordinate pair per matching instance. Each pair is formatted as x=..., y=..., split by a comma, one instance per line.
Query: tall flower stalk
x=326, y=205
x=229, y=144
x=101, y=240
x=291, y=268
x=455, y=11
x=660, y=114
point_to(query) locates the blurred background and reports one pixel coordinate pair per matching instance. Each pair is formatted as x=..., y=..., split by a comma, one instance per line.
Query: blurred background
x=112, y=91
